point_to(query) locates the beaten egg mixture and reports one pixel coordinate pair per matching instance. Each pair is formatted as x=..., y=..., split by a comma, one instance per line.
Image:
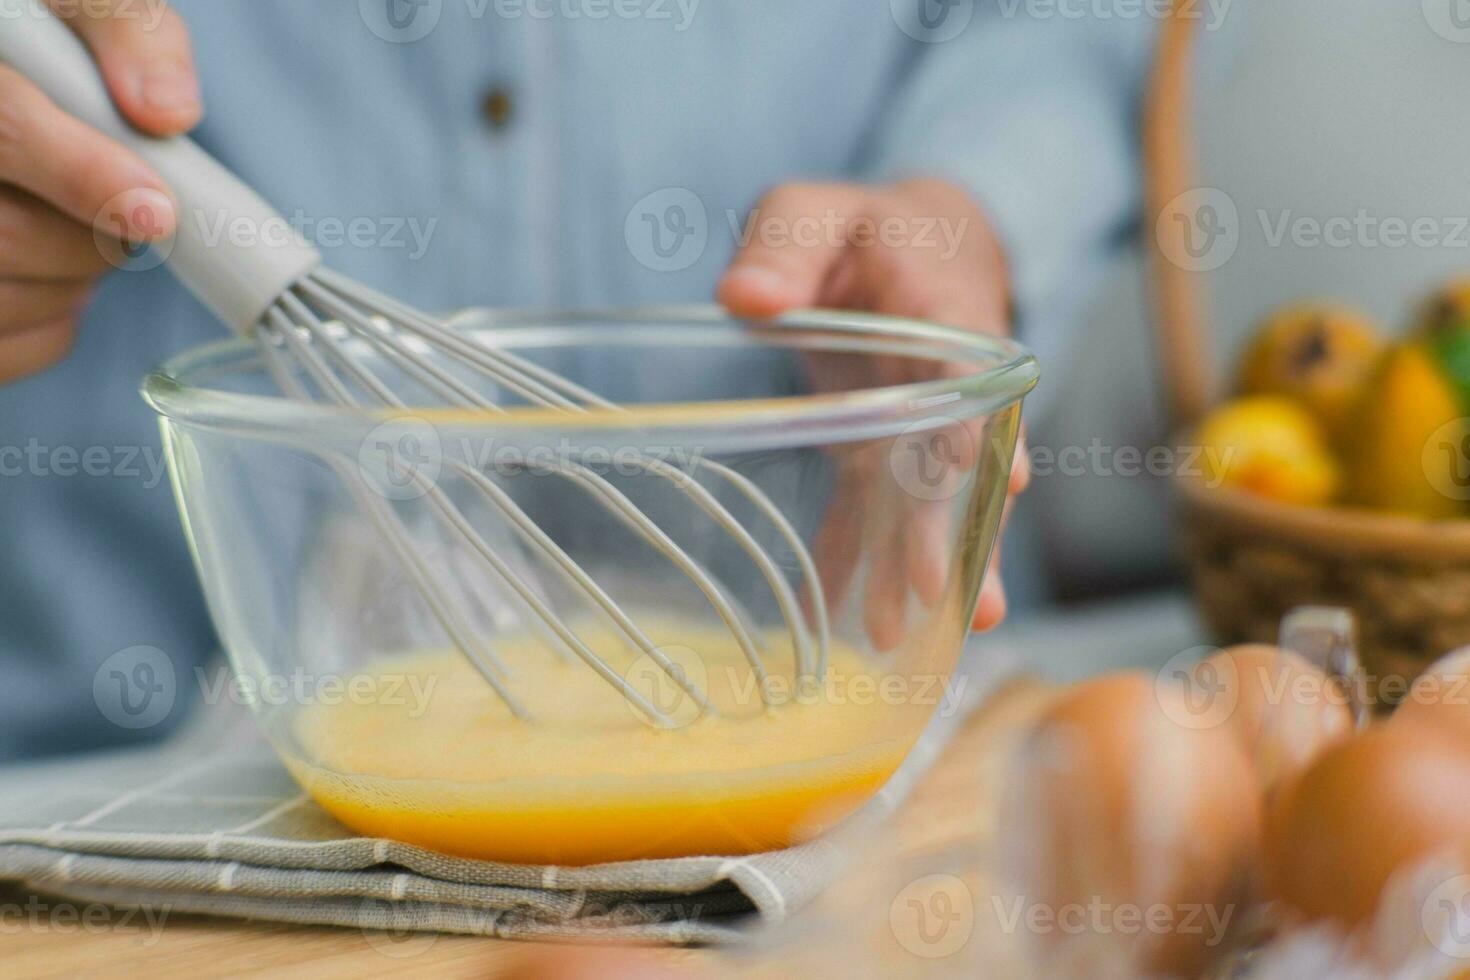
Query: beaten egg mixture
x=589, y=779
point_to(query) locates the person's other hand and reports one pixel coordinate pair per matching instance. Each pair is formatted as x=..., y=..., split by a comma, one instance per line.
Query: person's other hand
x=61, y=179
x=918, y=249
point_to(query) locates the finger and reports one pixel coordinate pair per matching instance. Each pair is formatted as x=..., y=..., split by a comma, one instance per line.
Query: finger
x=886, y=593
x=990, y=608
x=1020, y=467
x=71, y=166
x=927, y=546
x=29, y=351
x=38, y=242
x=26, y=304
x=798, y=235
x=145, y=57
x=836, y=546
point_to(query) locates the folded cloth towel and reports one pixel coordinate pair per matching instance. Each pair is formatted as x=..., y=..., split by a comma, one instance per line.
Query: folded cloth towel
x=212, y=823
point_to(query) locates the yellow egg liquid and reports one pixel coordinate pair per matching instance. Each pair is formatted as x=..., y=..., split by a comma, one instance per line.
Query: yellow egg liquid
x=588, y=779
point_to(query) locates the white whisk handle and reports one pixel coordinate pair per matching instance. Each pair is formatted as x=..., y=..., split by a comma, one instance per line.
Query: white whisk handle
x=236, y=275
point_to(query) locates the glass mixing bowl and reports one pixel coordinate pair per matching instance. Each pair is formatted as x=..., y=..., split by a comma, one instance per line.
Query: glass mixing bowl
x=886, y=444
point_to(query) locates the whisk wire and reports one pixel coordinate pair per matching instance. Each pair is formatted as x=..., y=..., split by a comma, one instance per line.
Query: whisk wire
x=317, y=314
x=434, y=592
x=529, y=529
x=318, y=370
x=497, y=362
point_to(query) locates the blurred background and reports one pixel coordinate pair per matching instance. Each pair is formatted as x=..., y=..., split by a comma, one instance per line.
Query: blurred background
x=1306, y=110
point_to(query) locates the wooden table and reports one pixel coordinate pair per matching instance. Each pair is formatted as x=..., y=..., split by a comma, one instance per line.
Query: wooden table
x=949, y=816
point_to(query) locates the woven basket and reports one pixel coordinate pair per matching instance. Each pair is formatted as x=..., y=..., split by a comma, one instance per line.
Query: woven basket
x=1407, y=580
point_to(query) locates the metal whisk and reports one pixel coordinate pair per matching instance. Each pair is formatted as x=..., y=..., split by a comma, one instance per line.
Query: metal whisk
x=305, y=318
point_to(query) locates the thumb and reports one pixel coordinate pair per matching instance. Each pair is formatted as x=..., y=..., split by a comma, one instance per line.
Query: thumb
x=796, y=235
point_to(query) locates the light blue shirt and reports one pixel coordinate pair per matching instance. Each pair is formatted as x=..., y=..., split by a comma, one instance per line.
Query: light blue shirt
x=618, y=108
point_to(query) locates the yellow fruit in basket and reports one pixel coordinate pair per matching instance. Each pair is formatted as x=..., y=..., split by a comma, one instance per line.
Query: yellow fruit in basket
x=1317, y=354
x=1443, y=326
x=1404, y=453
x=1269, y=446
x=1447, y=309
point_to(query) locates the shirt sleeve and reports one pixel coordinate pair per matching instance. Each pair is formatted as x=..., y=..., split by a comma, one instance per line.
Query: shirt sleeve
x=1037, y=118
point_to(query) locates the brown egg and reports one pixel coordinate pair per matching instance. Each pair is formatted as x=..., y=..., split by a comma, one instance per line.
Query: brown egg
x=1365, y=808
x=1281, y=708
x=1441, y=697
x=1117, y=807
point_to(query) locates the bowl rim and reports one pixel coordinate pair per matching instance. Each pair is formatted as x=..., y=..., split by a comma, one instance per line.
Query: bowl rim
x=1013, y=372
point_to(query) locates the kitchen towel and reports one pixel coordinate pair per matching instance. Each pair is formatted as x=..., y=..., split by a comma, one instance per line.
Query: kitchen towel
x=211, y=822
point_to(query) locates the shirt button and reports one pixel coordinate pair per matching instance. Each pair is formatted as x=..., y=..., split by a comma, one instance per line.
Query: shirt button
x=497, y=108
